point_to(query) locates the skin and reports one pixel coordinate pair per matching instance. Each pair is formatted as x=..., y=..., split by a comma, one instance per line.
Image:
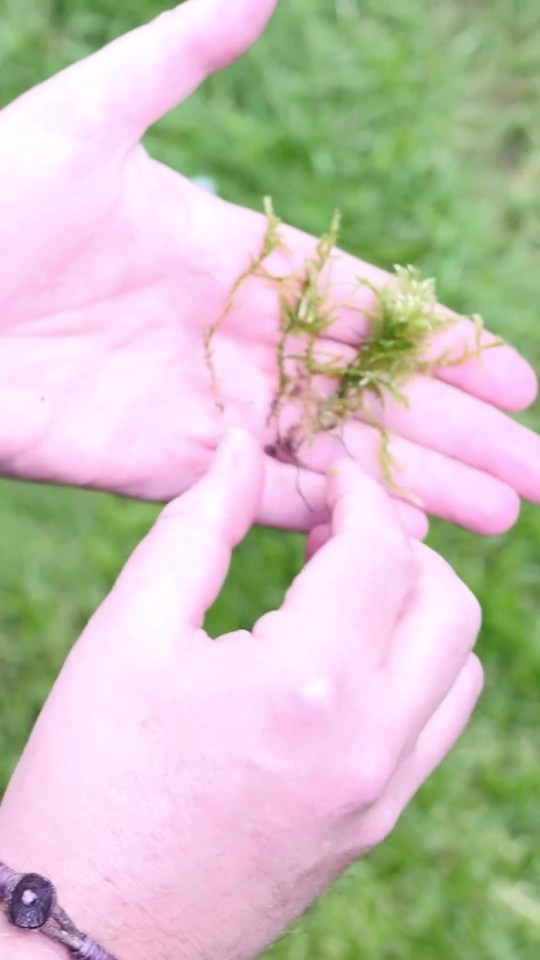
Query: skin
x=112, y=266
x=190, y=798
x=204, y=793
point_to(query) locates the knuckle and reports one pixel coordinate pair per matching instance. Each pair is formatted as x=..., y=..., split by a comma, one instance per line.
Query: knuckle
x=396, y=550
x=373, y=764
x=458, y=605
x=308, y=707
x=335, y=743
x=355, y=790
x=464, y=613
x=471, y=609
x=476, y=676
x=338, y=755
x=307, y=745
x=381, y=825
x=373, y=779
x=393, y=560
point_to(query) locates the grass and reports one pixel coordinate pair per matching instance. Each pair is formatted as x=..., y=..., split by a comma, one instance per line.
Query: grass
x=420, y=122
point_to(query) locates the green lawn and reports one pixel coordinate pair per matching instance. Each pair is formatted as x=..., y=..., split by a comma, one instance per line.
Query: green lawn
x=421, y=121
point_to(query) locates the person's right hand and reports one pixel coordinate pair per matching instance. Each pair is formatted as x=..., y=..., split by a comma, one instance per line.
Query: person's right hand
x=191, y=798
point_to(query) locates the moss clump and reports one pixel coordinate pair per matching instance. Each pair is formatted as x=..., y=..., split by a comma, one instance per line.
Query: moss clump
x=402, y=323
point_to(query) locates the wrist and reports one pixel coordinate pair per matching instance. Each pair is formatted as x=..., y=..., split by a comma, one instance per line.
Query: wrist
x=36, y=919
x=26, y=945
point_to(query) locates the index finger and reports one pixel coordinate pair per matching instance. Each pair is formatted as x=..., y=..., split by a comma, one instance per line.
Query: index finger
x=349, y=596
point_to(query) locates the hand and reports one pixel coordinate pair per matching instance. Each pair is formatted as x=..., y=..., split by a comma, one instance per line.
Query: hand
x=191, y=797
x=112, y=267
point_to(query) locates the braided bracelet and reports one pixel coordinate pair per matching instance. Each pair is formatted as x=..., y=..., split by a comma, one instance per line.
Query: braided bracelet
x=30, y=904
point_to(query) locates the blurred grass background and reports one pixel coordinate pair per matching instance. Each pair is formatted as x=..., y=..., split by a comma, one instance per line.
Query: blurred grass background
x=421, y=121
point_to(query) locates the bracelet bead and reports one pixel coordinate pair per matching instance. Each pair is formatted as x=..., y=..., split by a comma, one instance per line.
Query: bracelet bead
x=31, y=902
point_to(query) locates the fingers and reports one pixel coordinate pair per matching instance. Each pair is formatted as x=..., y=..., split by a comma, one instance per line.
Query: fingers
x=176, y=572
x=445, y=487
x=426, y=690
x=439, y=736
x=432, y=643
x=135, y=80
x=347, y=599
x=501, y=377
x=295, y=499
x=414, y=522
x=449, y=432
x=459, y=426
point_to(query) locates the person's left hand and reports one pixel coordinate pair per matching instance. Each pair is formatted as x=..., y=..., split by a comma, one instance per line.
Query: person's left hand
x=112, y=267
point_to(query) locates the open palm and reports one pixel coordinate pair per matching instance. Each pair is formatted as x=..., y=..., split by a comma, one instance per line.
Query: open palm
x=112, y=267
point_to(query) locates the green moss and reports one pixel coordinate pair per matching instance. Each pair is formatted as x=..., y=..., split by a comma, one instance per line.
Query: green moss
x=402, y=323
x=271, y=241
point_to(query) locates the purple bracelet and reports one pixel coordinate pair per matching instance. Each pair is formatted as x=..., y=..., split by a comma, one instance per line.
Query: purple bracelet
x=30, y=904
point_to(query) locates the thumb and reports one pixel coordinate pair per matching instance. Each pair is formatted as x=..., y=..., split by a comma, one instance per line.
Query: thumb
x=177, y=571
x=131, y=83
